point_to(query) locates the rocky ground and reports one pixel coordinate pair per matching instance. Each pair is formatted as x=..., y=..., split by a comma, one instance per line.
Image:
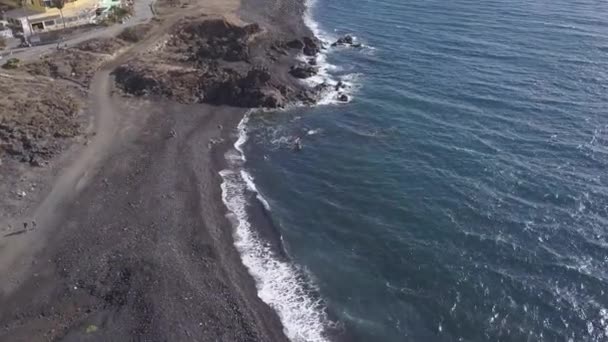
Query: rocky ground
x=36, y=114
x=43, y=101
x=79, y=63
x=222, y=62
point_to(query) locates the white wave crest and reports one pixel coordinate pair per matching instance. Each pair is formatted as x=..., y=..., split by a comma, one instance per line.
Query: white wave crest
x=248, y=178
x=325, y=69
x=279, y=283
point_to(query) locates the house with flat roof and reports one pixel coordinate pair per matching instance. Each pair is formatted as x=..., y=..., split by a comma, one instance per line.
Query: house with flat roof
x=38, y=16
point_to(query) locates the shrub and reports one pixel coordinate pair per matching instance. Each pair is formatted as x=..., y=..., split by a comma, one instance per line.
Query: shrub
x=12, y=63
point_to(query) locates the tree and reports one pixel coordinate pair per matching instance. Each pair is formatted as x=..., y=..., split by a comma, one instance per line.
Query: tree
x=59, y=5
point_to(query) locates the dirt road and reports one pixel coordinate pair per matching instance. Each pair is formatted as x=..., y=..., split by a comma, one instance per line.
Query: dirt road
x=142, y=13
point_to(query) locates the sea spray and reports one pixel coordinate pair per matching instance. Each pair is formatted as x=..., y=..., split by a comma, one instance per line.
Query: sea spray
x=280, y=284
x=327, y=72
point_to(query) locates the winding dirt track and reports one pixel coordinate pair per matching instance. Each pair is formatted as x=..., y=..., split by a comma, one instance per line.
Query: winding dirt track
x=17, y=255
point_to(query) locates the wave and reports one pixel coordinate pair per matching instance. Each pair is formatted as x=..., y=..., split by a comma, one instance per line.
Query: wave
x=326, y=71
x=279, y=283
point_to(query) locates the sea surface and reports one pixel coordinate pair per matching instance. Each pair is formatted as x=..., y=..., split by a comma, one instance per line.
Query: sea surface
x=461, y=195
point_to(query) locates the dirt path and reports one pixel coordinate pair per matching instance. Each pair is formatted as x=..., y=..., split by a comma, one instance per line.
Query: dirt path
x=17, y=252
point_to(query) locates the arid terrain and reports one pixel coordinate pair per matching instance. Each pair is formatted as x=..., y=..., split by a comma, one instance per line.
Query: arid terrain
x=113, y=226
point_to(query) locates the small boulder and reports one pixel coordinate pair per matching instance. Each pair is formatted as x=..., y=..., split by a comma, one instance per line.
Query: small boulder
x=311, y=46
x=346, y=40
x=303, y=71
x=295, y=44
x=343, y=98
x=339, y=85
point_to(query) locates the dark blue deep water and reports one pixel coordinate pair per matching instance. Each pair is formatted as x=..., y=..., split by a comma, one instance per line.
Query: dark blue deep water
x=462, y=195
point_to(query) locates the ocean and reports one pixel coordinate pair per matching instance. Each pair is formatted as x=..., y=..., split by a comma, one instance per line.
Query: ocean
x=461, y=195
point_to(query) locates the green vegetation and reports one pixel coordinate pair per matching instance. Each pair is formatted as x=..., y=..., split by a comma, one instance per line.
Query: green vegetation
x=117, y=15
x=91, y=329
x=12, y=63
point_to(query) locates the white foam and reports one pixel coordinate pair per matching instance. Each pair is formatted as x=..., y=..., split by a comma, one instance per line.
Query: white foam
x=242, y=129
x=324, y=76
x=279, y=283
x=248, y=178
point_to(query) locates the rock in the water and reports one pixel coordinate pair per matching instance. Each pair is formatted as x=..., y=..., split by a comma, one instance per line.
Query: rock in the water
x=343, y=98
x=303, y=71
x=346, y=40
x=340, y=85
x=311, y=46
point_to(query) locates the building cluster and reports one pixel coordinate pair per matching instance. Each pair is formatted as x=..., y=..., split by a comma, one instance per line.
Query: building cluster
x=39, y=16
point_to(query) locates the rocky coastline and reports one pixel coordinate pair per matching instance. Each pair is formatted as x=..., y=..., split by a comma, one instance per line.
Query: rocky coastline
x=222, y=62
x=126, y=237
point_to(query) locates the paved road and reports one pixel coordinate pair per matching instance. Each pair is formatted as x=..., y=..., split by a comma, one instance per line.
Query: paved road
x=143, y=13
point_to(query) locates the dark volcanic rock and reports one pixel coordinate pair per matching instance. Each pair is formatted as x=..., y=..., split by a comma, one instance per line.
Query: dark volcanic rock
x=346, y=40
x=215, y=39
x=222, y=63
x=295, y=44
x=220, y=86
x=343, y=98
x=311, y=46
x=303, y=71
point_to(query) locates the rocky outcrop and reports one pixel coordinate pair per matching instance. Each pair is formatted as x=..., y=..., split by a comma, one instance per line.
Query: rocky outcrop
x=312, y=46
x=213, y=85
x=222, y=63
x=303, y=70
x=295, y=44
x=307, y=45
x=347, y=40
x=215, y=39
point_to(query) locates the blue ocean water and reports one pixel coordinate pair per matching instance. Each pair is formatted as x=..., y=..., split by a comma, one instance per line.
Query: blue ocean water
x=462, y=194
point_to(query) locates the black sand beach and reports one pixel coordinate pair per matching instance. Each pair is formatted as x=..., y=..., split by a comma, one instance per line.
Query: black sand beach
x=132, y=242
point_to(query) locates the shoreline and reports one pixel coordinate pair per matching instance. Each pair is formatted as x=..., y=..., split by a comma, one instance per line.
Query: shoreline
x=142, y=248
x=164, y=259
